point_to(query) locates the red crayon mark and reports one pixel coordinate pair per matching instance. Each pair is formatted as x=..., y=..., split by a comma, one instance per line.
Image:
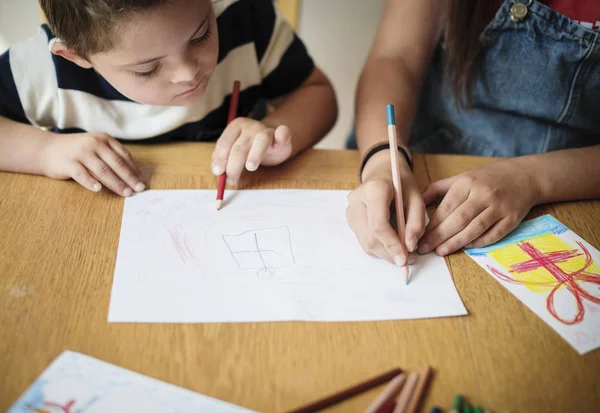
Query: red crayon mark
x=65, y=409
x=548, y=261
x=182, y=244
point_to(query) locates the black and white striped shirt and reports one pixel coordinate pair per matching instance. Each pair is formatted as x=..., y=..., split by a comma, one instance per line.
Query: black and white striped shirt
x=256, y=46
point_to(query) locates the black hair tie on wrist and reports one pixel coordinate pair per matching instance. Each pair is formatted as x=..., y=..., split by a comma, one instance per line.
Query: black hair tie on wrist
x=380, y=148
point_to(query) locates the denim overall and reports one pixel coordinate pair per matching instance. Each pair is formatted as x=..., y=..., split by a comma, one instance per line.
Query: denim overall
x=536, y=88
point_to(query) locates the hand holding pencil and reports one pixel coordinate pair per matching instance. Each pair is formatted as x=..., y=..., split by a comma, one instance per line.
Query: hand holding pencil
x=368, y=212
x=246, y=144
x=402, y=259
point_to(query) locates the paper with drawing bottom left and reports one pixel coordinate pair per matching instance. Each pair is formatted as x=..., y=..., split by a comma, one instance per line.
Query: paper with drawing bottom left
x=268, y=255
x=76, y=383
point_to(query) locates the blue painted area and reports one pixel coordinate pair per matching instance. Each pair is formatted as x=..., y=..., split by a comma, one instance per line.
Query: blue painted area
x=545, y=224
x=391, y=115
x=32, y=398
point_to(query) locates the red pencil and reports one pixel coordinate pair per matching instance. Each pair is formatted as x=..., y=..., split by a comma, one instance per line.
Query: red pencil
x=235, y=95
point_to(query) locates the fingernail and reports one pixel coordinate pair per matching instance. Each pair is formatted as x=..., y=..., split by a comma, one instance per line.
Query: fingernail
x=442, y=251
x=231, y=182
x=413, y=243
x=140, y=187
x=250, y=166
x=400, y=262
x=412, y=259
x=127, y=192
x=216, y=169
x=96, y=187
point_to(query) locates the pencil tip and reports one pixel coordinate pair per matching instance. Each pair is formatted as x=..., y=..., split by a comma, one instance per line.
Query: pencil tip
x=219, y=204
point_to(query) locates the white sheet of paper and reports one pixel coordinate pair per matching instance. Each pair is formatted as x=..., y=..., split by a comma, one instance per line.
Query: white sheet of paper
x=267, y=255
x=75, y=382
x=543, y=265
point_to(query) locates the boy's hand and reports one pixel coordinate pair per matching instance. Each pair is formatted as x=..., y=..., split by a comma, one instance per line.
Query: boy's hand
x=247, y=143
x=368, y=212
x=479, y=207
x=92, y=159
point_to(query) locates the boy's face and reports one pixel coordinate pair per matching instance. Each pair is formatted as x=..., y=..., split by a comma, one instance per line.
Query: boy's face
x=164, y=56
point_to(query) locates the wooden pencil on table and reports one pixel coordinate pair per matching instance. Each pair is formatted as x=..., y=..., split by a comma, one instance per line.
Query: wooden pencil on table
x=389, y=393
x=391, y=120
x=235, y=95
x=419, y=391
x=407, y=392
x=349, y=392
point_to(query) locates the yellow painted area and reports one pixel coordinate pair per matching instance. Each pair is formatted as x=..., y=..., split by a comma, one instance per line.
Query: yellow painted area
x=512, y=254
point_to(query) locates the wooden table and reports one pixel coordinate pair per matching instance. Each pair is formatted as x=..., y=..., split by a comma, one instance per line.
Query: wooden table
x=57, y=258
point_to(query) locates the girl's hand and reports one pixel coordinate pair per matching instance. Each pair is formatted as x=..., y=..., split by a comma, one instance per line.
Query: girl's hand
x=479, y=207
x=368, y=212
x=247, y=143
x=93, y=160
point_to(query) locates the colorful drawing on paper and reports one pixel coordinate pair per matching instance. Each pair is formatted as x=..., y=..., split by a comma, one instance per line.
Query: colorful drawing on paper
x=76, y=383
x=543, y=257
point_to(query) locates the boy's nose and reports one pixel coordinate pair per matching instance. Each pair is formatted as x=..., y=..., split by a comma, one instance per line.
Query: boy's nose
x=187, y=71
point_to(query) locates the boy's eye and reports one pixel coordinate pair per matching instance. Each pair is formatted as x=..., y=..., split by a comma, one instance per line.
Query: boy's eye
x=149, y=73
x=203, y=36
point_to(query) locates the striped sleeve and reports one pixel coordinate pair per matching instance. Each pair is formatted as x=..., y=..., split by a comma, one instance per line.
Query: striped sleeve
x=284, y=61
x=10, y=103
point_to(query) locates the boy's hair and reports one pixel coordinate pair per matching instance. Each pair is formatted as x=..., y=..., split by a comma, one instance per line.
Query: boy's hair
x=88, y=26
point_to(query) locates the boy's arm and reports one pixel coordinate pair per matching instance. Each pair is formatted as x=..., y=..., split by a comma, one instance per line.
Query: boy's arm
x=309, y=112
x=91, y=159
x=21, y=147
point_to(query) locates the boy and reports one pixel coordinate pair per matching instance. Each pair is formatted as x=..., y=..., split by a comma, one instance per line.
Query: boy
x=157, y=70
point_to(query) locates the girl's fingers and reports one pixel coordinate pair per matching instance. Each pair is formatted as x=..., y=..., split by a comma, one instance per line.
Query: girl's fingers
x=378, y=222
x=454, y=223
x=437, y=190
x=486, y=219
x=415, y=220
x=357, y=217
x=455, y=196
x=495, y=233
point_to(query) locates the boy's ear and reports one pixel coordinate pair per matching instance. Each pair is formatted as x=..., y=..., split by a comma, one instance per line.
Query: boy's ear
x=58, y=48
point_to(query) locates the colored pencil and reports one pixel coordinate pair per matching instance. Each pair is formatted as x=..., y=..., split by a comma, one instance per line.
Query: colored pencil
x=391, y=120
x=420, y=390
x=347, y=393
x=235, y=95
x=407, y=392
x=389, y=393
x=457, y=404
x=435, y=409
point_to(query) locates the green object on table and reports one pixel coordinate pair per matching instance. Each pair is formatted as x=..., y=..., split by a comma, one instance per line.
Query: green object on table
x=457, y=403
x=478, y=409
x=466, y=408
